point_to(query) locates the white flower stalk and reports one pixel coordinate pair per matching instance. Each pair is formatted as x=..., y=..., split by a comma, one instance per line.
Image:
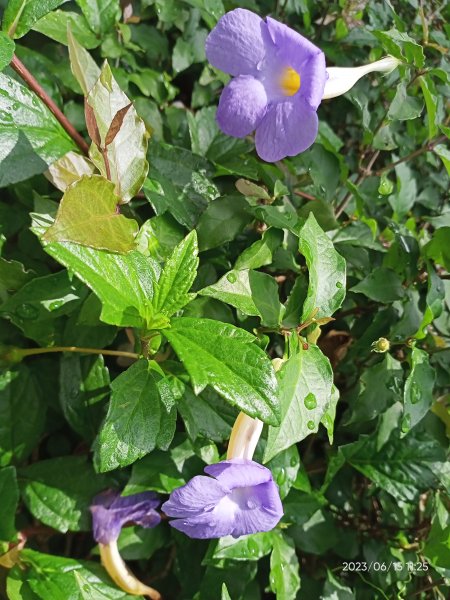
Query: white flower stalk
x=342, y=79
x=121, y=575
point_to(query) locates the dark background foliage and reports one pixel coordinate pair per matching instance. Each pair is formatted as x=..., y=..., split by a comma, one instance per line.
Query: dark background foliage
x=366, y=516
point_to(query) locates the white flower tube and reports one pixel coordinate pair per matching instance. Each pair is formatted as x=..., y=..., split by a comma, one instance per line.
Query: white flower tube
x=342, y=79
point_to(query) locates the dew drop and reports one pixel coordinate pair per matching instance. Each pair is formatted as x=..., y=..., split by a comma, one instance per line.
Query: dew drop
x=310, y=401
x=338, y=284
x=27, y=311
x=293, y=462
x=406, y=423
x=16, y=106
x=281, y=478
x=311, y=425
x=231, y=277
x=55, y=304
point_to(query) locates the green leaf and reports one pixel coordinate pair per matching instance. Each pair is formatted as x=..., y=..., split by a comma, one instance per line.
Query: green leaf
x=404, y=107
x=12, y=277
x=251, y=292
x=31, y=136
x=431, y=102
x=438, y=248
x=202, y=416
x=260, y=253
x=402, y=467
x=225, y=595
x=305, y=389
x=434, y=301
x=59, y=491
x=177, y=277
x=7, y=48
x=223, y=219
x=334, y=590
x=284, y=567
x=9, y=493
x=20, y=15
x=19, y=432
x=44, y=576
x=178, y=183
x=100, y=14
x=285, y=467
x=381, y=285
x=124, y=283
x=56, y=24
x=123, y=138
x=88, y=215
x=418, y=394
x=406, y=192
x=437, y=546
x=402, y=46
x=444, y=154
x=83, y=387
x=39, y=302
x=247, y=547
x=83, y=66
x=227, y=359
x=138, y=419
x=326, y=267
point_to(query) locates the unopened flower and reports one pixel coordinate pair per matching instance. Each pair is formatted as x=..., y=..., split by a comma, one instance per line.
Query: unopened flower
x=239, y=498
x=381, y=345
x=110, y=512
x=279, y=80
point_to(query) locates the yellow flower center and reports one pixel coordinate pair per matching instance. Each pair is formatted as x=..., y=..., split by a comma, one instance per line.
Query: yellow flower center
x=290, y=81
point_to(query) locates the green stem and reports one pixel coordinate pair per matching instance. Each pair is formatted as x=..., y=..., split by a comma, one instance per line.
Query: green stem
x=34, y=351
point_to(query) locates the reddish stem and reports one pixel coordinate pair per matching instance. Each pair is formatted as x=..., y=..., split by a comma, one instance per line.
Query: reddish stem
x=31, y=82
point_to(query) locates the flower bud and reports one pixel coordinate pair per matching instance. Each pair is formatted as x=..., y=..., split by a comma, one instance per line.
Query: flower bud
x=381, y=345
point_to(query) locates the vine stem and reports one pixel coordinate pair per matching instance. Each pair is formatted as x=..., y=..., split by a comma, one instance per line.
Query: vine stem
x=35, y=86
x=34, y=351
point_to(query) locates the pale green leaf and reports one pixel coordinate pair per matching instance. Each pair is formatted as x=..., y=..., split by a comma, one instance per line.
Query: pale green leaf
x=7, y=47
x=56, y=24
x=125, y=154
x=418, y=394
x=68, y=169
x=83, y=66
x=88, y=215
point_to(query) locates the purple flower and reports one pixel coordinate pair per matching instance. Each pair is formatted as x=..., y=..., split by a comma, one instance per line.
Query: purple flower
x=240, y=498
x=110, y=511
x=279, y=79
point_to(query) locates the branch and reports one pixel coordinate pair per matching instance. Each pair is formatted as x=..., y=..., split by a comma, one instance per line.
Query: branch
x=31, y=82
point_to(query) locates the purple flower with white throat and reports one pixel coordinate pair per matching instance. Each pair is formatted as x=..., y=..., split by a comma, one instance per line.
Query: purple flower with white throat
x=110, y=511
x=239, y=498
x=279, y=78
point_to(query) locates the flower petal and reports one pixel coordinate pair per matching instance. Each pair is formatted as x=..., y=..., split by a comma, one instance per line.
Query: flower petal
x=262, y=512
x=239, y=472
x=242, y=106
x=198, y=495
x=207, y=526
x=295, y=51
x=288, y=128
x=236, y=45
x=110, y=512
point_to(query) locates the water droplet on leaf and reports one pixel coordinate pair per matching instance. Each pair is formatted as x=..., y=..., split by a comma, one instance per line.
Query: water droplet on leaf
x=55, y=304
x=406, y=423
x=311, y=425
x=338, y=284
x=310, y=401
x=231, y=277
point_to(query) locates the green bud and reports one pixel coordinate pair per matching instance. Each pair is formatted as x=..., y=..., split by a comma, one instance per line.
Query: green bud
x=381, y=345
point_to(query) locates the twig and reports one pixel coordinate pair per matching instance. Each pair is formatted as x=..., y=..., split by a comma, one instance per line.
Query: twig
x=427, y=148
x=364, y=173
x=35, y=351
x=31, y=82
